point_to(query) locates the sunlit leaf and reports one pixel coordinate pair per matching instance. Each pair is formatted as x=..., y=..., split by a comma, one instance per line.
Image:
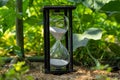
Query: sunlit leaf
x=93, y=33
x=25, y=6
x=82, y=39
x=78, y=41
x=88, y=3
x=11, y=73
x=94, y=4
x=19, y=65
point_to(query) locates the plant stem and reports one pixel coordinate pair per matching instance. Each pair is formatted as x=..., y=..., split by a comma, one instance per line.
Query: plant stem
x=19, y=27
x=95, y=60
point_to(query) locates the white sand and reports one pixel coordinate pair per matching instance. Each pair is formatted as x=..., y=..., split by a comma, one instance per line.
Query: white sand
x=57, y=32
x=58, y=62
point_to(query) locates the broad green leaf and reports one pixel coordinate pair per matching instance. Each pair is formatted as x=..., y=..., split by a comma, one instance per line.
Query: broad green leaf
x=78, y=41
x=88, y=3
x=113, y=10
x=111, y=6
x=82, y=39
x=94, y=4
x=3, y=2
x=93, y=33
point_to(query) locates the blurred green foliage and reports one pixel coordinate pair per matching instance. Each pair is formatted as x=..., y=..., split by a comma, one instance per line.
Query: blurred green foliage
x=17, y=72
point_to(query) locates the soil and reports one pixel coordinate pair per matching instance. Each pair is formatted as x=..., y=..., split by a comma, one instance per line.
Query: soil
x=81, y=73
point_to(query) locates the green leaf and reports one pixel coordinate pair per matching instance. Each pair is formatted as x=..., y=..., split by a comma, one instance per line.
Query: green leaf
x=3, y=2
x=28, y=77
x=115, y=16
x=93, y=33
x=94, y=4
x=32, y=20
x=78, y=41
x=18, y=52
x=111, y=6
x=25, y=6
x=7, y=18
x=1, y=31
x=115, y=48
x=113, y=10
x=30, y=3
x=82, y=39
x=87, y=18
x=88, y=3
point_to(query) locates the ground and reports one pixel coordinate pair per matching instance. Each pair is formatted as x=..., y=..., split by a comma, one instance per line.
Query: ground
x=80, y=74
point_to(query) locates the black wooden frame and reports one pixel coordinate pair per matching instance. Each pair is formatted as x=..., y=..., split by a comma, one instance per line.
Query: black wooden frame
x=69, y=40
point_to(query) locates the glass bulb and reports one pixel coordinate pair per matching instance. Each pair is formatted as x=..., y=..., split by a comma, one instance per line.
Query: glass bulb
x=59, y=56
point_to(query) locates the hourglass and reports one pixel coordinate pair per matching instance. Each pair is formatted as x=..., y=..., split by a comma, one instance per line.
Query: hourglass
x=58, y=54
